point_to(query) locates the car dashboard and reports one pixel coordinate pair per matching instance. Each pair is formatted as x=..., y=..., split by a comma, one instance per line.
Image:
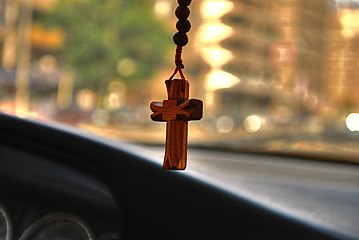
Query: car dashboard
x=56, y=183
x=42, y=196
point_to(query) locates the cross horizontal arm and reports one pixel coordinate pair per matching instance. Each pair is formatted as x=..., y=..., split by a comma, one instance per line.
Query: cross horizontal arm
x=169, y=110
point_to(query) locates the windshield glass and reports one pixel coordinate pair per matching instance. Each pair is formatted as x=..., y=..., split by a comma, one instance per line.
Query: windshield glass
x=274, y=76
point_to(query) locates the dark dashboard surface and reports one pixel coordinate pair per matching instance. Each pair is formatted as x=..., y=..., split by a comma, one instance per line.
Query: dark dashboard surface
x=39, y=185
x=120, y=191
x=320, y=192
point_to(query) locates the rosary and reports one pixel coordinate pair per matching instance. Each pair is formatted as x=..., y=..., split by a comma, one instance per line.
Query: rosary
x=178, y=109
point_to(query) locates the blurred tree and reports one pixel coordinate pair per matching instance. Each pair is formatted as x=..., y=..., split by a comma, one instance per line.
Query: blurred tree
x=110, y=39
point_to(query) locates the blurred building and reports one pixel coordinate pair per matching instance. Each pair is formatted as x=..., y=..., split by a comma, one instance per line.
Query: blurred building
x=18, y=22
x=300, y=52
x=273, y=49
x=342, y=58
x=26, y=51
x=257, y=56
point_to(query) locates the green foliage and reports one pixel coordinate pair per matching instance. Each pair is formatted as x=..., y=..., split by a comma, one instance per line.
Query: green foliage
x=100, y=34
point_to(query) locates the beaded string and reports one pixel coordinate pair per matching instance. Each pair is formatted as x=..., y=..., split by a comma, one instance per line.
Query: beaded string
x=180, y=38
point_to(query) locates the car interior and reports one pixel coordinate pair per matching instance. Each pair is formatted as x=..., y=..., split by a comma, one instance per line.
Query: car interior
x=274, y=157
x=57, y=181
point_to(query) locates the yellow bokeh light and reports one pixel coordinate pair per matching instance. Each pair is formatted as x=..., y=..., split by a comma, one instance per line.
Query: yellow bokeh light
x=252, y=123
x=216, y=56
x=215, y=9
x=126, y=67
x=349, y=20
x=113, y=101
x=218, y=79
x=162, y=8
x=352, y=122
x=224, y=124
x=214, y=32
x=86, y=99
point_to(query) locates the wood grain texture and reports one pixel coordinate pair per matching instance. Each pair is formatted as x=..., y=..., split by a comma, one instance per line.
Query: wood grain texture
x=176, y=130
x=176, y=145
x=176, y=111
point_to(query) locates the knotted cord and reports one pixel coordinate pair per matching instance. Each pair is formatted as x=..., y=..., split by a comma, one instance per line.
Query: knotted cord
x=179, y=66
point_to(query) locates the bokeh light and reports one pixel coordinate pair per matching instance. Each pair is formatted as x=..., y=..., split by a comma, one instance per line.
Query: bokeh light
x=352, y=122
x=252, y=123
x=224, y=124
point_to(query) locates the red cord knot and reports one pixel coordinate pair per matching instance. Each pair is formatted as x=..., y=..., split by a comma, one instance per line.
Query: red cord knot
x=179, y=66
x=178, y=57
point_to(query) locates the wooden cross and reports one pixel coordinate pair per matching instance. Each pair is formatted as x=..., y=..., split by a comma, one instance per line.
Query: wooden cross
x=176, y=111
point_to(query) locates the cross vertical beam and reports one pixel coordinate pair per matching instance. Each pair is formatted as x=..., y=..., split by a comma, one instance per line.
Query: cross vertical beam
x=176, y=130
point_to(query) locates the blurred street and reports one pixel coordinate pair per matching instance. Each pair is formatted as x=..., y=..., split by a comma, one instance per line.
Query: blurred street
x=328, y=146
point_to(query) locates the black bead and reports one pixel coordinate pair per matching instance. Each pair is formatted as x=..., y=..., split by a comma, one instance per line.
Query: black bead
x=180, y=39
x=184, y=2
x=183, y=26
x=182, y=12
